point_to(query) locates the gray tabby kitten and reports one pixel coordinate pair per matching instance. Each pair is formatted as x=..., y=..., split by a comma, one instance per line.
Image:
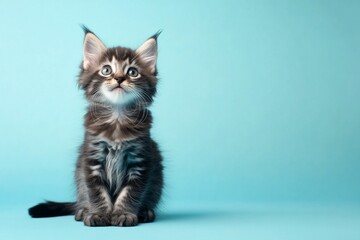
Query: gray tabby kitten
x=119, y=172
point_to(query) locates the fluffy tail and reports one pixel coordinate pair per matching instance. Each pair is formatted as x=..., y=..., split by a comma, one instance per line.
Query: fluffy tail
x=52, y=209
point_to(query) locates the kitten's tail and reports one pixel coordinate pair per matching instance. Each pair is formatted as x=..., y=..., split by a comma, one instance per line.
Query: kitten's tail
x=52, y=209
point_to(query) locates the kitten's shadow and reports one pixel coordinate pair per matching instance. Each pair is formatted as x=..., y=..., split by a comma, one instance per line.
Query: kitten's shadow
x=187, y=215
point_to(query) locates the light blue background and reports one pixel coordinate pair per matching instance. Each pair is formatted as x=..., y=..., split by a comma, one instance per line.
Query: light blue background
x=258, y=103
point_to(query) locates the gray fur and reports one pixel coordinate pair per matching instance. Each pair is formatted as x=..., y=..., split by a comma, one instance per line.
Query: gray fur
x=119, y=172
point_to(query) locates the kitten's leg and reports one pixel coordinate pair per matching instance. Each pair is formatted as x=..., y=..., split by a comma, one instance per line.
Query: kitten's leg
x=82, y=204
x=127, y=204
x=151, y=199
x=99, y=213
x=152, y=196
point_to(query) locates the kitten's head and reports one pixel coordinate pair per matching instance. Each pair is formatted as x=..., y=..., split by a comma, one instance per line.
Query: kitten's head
x=118, y=76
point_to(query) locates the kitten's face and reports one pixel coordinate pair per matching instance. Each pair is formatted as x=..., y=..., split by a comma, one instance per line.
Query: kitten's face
x=118, y=76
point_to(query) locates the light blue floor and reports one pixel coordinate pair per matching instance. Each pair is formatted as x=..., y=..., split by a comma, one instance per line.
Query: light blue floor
x=201, y=221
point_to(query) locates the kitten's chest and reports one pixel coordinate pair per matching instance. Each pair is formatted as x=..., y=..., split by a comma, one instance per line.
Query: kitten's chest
x=114, y=164
x=117, y=162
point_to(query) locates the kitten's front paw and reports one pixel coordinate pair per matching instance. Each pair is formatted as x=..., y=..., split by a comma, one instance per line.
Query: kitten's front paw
x=124, y=219
x=93, y=219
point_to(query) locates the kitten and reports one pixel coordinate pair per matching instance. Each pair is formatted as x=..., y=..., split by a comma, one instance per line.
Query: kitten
x=119, y=172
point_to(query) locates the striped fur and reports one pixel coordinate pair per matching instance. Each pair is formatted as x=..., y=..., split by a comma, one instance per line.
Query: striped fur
x=119, y=172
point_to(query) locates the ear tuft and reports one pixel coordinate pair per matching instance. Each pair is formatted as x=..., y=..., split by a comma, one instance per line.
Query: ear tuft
x=93, y=49
x=156, y=35
x=148, y=52
x=86, y=29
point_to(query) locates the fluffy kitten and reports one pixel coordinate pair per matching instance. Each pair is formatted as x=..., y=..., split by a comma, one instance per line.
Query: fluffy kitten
x=119, y=172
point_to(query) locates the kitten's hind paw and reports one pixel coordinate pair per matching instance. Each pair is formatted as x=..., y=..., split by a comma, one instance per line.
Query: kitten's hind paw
x=124, y=219
x=80, y=214
x=93, y=219
x=146, y=216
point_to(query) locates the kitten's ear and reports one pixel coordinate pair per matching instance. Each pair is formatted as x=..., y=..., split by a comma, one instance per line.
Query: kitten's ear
x=148, y=52
x=93, y=49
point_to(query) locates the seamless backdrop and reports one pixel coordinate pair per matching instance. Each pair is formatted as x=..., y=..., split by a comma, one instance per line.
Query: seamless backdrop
x=258, y=101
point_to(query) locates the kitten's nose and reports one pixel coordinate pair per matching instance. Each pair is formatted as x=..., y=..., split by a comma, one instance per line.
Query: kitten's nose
x=120, y=79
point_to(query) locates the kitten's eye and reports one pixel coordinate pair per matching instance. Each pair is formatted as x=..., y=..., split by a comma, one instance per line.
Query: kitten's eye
x=106, y=70
x=132, y=72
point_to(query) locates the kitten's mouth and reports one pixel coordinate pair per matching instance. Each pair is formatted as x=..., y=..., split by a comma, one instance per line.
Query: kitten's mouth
x=118, y=87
